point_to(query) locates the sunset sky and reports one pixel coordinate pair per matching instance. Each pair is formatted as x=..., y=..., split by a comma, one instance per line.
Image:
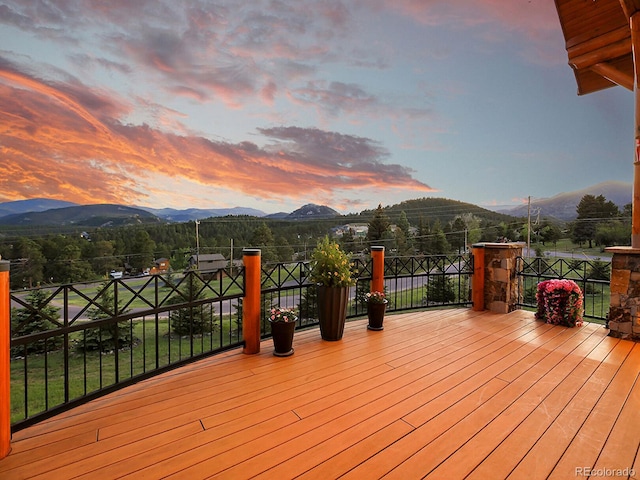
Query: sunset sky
x=275, y=104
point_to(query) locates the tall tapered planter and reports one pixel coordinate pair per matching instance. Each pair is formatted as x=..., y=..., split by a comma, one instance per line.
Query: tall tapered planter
x=332, y=311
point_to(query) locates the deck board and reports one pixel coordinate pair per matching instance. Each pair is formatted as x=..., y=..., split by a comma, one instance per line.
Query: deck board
x=438, y=394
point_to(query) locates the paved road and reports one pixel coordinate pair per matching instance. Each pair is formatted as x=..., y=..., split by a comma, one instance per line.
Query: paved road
x=572, y=255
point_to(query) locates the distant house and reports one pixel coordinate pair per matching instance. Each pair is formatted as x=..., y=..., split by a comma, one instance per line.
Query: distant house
x=161, y=265
x=208, y=264
x=358, y=230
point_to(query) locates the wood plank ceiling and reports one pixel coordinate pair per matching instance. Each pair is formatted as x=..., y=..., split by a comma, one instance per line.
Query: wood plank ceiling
x=597, y=35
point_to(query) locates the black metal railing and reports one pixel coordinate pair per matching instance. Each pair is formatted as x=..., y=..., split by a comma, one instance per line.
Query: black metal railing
x=429, y=281
x=591, y=275
x=410, y=283
x=72, y=343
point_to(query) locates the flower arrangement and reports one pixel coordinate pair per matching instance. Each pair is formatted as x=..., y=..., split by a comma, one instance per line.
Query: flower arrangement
x=282, y=315
x=375, y=297
x=560, y=302
x=330, y=265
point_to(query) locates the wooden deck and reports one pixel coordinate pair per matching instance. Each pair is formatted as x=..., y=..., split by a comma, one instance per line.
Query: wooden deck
x=439, y=394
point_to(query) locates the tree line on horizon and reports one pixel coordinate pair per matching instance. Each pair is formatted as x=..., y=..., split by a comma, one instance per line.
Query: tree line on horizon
x=403, y=230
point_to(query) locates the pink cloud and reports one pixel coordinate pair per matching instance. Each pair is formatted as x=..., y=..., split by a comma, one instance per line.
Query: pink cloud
x=64, y=140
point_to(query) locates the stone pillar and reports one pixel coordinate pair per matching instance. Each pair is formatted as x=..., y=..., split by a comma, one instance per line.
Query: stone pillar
x=501, y=287
x=624, y=306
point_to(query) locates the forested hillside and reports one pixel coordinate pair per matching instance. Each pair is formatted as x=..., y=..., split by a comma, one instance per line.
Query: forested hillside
x=71, y=254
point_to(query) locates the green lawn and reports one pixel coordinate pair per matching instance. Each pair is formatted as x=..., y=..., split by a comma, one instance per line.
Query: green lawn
x=89, y=372
x=578, y=252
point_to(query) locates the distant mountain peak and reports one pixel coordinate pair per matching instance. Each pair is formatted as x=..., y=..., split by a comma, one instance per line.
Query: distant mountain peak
x=311, y=210
x=32, y=205
x=563, y=205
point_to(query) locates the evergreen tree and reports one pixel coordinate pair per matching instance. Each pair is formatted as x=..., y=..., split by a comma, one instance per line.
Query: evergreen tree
x=39, y=318
x=438, y=244
x=27, y=269
x=457, y=234
x=404, y=241
x=101, y=256
x=308, y=306
x=348, y=241
x=106, y=338
x=70, y=267
x=143, y=249
x=440, y=289
x=423, y=236
x=591, y=211
x=285, y=251
x=550, y=232
x=190, y=320
x=263, y=239
x=379, y=227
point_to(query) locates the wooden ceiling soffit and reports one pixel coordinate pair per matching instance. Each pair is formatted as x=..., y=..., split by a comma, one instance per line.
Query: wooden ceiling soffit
x=598, y=42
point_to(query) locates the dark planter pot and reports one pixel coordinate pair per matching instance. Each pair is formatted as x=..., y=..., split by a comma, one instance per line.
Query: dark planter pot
x=282, y=334
x=332, y=311
x=375, y=312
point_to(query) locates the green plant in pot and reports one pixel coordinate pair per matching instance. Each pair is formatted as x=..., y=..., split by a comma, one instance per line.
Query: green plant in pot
x=331, y=272
x=376, y=306
x=283, y=324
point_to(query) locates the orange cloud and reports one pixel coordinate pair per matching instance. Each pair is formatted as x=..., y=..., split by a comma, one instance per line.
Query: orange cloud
x=66, y=141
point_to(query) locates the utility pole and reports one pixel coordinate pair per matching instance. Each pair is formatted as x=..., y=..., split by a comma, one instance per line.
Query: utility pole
x=197, y=245
x=529, y=228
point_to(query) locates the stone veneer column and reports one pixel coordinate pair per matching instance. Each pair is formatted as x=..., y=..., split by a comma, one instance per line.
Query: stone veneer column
x=501, y=288
x=624, y=306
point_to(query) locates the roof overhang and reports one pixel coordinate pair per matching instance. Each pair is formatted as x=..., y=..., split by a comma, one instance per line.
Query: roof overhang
x=597, y=37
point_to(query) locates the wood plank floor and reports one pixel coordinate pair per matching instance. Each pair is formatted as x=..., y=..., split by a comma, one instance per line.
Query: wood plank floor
x=438, y=394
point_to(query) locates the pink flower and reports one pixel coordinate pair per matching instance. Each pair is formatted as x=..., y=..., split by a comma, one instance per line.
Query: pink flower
x=560, y=302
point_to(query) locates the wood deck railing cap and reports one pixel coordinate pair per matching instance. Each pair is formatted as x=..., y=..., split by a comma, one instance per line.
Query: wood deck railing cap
x=623, y=250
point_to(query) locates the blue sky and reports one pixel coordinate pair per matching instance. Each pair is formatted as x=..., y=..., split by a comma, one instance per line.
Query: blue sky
x=275, y=104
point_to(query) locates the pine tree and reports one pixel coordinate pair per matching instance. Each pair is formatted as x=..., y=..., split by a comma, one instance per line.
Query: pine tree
x=190, y=320
x=27, y=321
x=379, y=226
x=592, y=211
x=439, y=244
x=113, y=336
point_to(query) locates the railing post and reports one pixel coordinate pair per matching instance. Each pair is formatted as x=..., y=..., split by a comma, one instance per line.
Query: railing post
x=251, y=302
x=477, y=281
x=377, y=274
x=5, y=361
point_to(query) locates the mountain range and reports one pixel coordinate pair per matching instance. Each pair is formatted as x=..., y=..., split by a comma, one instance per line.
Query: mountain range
x=46, y=212
x=563, y=206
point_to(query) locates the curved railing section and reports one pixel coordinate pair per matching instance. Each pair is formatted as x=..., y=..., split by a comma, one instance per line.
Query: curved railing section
x=72, y=343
